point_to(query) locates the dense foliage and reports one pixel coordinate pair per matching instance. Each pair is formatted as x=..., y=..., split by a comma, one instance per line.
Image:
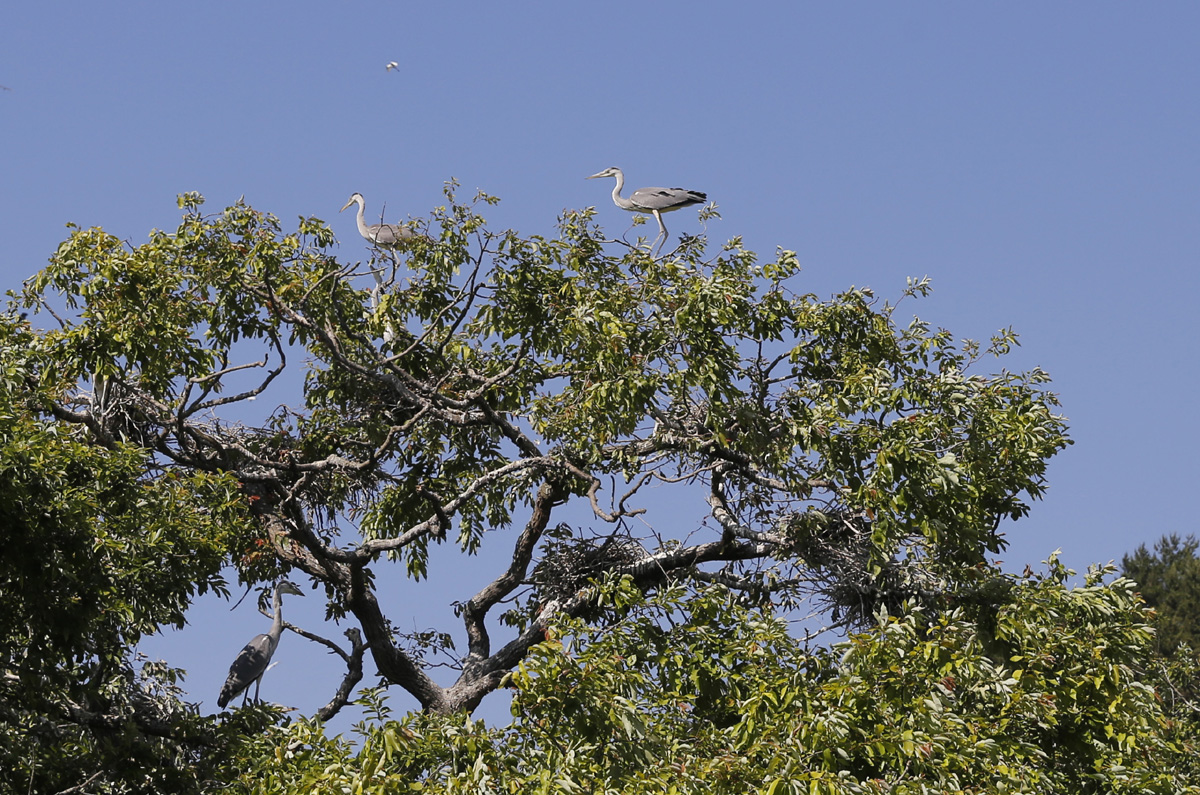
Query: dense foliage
x=1169, y=580
x=696, y=693
x=491, y=379
x=486, y=390
x=95, y=556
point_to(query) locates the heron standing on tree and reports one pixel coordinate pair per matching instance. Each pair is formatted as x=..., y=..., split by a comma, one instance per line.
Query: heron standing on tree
x=655, y=201
x=255, y=657
x=381, y=235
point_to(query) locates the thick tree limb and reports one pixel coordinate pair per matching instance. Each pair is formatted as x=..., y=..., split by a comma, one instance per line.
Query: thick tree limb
x=354, y=675
x=475, y=611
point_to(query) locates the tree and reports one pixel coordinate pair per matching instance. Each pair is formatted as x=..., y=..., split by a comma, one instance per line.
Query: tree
x=96, y=555
x=1169, y=581
x=695, y=692
x=491, y=388
x=499, y=378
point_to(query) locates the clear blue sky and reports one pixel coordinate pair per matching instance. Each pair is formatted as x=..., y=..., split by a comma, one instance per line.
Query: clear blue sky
x=1041, y=162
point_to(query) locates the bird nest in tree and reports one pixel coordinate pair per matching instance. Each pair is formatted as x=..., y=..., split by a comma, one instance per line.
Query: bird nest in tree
x=570, y=563
x=840, y=555
x=123, y=412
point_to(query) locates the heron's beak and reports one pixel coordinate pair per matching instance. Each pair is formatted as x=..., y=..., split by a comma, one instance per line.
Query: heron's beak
x=595, y=176
x=344, y=206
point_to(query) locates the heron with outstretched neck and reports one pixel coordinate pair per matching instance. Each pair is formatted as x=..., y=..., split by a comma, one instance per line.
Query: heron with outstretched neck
x=655, y=201
x=255, y=657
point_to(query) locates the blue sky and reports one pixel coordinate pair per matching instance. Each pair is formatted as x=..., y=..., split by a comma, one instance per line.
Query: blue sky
x=1038, y=161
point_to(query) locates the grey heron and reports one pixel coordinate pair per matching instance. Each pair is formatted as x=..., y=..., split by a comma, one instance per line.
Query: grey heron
x=655, y=201
x=381, y=235
x=255, y=657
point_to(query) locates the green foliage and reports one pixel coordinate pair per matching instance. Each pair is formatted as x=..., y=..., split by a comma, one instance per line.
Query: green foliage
x=97, y=555
x=1177, y=680
x=700, y=694
x=465, y=390
x=586, y=347
x=1169, y=580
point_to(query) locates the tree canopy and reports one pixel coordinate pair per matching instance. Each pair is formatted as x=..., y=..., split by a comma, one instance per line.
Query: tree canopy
x=233, y=394
x=1042, y=693
x=1169, y=580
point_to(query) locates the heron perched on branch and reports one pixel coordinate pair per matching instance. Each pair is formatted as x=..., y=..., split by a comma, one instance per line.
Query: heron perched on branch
x=655, y=201
x=381, y=235
x=254, y=659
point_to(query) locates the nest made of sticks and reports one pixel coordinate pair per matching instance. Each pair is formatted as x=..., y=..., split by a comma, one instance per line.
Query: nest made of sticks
x=838, y=550
x=569, y=562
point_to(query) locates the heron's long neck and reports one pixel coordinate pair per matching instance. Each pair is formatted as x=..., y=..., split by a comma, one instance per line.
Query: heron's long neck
x=362, y=230
x=617, y=190
x=277, y=619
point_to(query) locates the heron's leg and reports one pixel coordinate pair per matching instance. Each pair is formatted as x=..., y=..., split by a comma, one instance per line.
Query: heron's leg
x=662, y=231
x=377, y=289
x=662, y=228
x=257, y=685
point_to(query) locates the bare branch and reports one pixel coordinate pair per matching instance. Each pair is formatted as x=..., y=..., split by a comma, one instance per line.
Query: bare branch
x=82, y=785
x=203, y=379
x=394, y=663
x=354, y=675
x=376, y=546
x=315, y=638
x=200, y=404
x=719, y=503
x=475, y=610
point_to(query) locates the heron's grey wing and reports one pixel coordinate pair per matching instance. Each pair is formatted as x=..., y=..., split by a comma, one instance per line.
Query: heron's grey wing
x=250, y=664
x=666, y=199
x=389, y=235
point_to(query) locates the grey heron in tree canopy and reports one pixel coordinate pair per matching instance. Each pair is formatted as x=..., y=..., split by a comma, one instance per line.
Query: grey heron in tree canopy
x=655, y=201
x=381, y=235
x=255, y=657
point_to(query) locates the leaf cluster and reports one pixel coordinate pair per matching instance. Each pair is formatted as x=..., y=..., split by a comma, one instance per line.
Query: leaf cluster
x=98, y=554
x=1169, y=580
x=700, y=694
